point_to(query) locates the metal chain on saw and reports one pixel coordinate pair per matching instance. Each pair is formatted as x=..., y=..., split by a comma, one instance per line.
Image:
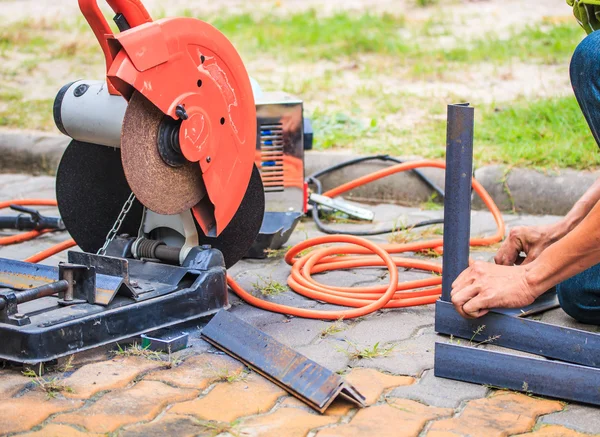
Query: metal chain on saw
x=115, y=229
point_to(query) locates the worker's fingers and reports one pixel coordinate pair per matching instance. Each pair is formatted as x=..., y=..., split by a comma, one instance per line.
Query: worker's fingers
x=463, y=280
x=462, y=296
x=476, y=307
x=508, y=252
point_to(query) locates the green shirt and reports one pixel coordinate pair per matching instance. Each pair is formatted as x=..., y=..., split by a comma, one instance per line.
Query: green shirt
x=587, y=13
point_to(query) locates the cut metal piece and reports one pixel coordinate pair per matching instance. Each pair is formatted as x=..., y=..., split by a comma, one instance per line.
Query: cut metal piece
x=91, y=190
x=165, y=340
x=531, y=375
x=308, y=381
x=237, y=238
x=551, y=341
x=545, y=302
x=157, y=185
x=343, y=206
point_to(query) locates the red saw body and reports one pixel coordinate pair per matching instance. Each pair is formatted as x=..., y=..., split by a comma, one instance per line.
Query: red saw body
x=192, y=73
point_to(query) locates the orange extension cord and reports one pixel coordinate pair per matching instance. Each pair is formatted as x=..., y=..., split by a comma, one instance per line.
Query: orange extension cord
x=358, y=252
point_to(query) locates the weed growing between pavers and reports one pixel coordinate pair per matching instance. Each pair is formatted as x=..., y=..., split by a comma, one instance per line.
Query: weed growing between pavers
x=477, y=332
x=269, y=287
x=52, y=386
x=276, y=253
x=230, y=376
x=333, y=328
x=168, y=359
x=376, y=351
x=217, y=428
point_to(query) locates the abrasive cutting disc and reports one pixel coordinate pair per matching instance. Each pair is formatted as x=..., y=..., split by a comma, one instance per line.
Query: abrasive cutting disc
x=158, y=186
x=237, y=238
x=90, y=190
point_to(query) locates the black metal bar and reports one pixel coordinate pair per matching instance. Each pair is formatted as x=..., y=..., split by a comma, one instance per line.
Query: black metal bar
x=38, y=292
x=302, y=377
x=522, y=334
x=457, y=202
x=531, y=375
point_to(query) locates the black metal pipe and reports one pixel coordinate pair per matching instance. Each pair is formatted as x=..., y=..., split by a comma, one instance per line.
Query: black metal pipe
x=38, y=292
x=457, y=202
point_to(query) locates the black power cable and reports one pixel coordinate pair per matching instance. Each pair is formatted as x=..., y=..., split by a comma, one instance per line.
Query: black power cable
x=313, y=180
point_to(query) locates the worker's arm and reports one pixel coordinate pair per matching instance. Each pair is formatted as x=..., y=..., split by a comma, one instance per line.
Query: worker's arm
x=484, y=286
x=532, y=240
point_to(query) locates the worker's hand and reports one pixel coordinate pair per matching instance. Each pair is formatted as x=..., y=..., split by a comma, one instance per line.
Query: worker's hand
x=530, y=240
x=484, y=286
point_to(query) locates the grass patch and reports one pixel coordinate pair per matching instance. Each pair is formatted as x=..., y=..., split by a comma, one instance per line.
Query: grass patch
x=136, y=350
x=52, y=386
x=548, y=44
x=213, y=429
x=306, y=35
x=25, y=114
x=433, y=203
x=276, y=253
x=339, y=129
x=368, y=353
x=269, y=287
x=543, y=133
x=406, y=235
x=230, y=376
x=548, y=132
x=333, y=328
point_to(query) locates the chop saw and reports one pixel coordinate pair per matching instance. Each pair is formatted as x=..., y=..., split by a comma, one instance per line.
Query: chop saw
x=158, y=188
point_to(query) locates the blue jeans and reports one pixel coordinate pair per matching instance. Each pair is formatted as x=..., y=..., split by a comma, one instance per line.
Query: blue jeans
x=579, y=296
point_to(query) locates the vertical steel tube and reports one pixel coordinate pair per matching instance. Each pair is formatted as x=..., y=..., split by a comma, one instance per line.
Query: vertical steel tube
x=457, y=202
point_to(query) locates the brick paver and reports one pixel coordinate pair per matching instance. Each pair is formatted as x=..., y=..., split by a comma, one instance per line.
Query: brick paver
x=141, y=402
x=499, y=415
x=555, y=431
x=398, y=417
x=23, y=413
x=371, y=383
x=285, y=422
x=54, y=430
x=227, y=402
x=11, y=383
x=170, y=425
x=339, y=407
x=107, y=375
x=199, y=372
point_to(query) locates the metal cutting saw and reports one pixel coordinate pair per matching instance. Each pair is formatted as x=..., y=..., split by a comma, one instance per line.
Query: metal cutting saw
x=158, y=187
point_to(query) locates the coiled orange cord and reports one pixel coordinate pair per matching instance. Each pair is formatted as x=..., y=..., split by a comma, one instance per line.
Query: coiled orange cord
x=358, y=252
x=366, y=300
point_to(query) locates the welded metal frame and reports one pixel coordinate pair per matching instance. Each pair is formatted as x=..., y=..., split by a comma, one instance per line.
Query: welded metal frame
x=573, y=371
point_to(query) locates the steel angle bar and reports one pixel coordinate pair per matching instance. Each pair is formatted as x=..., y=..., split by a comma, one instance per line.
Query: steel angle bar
x=457, y=202
x=531, y=375
x=547, y=301
x=551, y=341
x=295, y=373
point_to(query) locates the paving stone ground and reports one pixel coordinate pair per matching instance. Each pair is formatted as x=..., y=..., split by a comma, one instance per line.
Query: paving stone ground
x=201, y=392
